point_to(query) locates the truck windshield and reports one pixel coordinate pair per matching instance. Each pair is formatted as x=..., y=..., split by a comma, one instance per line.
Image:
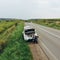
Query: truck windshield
x=30, y=31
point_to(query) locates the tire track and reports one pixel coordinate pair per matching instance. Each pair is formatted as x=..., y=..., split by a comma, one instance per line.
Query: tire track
x=37, y=52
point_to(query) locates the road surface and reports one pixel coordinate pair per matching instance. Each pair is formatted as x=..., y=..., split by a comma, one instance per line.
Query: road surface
x=49, y=40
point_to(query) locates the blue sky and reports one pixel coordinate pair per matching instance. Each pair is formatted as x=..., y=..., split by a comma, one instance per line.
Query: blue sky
x=26, y=9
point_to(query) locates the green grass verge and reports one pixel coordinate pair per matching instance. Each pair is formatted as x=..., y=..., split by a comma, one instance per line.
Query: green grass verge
x=17, y=48
x=48, y=24
x=52, y=25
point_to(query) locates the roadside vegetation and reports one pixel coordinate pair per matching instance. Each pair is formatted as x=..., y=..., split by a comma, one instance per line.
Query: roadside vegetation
x=54, y=23
x=12, y=45
x=5, y=25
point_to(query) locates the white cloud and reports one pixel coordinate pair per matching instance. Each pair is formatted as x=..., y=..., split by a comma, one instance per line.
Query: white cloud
x=43, y=1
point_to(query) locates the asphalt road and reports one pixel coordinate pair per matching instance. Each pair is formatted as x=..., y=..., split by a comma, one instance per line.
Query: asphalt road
x=49, y=40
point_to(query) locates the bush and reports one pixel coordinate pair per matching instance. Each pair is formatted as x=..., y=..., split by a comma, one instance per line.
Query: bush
x=2, y=45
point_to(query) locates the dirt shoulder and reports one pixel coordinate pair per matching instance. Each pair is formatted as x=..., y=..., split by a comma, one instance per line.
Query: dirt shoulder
x=37, y=52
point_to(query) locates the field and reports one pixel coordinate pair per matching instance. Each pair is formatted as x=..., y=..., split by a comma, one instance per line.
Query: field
x=54, y=23
x=12, y=44
x=5, y=25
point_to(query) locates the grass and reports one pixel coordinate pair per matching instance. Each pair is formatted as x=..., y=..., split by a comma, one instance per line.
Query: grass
x=17, y=48
x=4, y=37
x=5, y=25
x=6, y=33
x=53, y=25
x=49, y=23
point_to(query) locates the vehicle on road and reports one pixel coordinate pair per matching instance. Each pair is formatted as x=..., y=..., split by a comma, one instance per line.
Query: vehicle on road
x=29, y=34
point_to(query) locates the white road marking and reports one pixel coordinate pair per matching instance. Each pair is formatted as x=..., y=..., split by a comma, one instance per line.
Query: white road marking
x=50, y=33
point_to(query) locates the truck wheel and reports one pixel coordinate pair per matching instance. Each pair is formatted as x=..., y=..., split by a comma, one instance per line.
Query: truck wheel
x=35, y=41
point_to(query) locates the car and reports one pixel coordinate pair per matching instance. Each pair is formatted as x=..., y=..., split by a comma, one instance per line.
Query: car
x=29, y=34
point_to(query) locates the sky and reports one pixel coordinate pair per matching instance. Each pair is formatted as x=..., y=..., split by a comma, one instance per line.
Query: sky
x=28, y=9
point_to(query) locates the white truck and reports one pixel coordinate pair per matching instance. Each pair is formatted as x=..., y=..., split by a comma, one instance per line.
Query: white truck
x=29, y=34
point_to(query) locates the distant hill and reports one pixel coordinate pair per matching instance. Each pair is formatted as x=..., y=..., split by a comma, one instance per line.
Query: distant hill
x=9, y=19
x=6, y=19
